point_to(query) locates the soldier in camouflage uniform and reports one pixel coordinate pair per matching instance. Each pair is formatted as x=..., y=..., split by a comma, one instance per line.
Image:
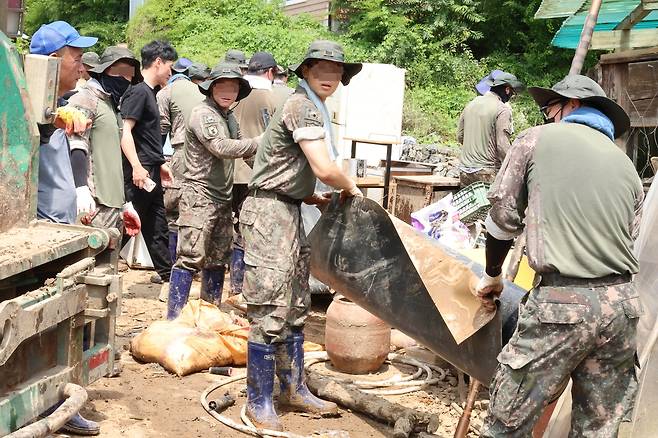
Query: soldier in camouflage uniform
x=96, y=153
x=175, y=102
x=485, y=128
x=583, y=199
x=212, y=142
x=293, y=152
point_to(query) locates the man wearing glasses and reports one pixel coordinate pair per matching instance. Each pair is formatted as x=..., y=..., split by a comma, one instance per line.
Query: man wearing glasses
x=579, y=198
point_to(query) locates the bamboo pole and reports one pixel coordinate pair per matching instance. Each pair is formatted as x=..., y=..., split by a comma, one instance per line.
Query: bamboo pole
x=585, y=38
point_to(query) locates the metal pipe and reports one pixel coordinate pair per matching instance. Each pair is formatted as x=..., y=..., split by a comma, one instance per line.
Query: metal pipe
x=75, y=397
x=465, y=419
x=585, y=38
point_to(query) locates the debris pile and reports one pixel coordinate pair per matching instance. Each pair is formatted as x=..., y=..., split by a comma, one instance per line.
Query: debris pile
x=445, y=158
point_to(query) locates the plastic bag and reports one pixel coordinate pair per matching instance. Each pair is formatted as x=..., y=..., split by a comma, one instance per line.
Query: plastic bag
x=201, y=337
x=441, y=222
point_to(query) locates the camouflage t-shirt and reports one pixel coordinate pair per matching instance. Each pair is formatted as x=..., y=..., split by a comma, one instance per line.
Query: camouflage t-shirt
x=212, y=142
x=281, y=165
x=578, y=197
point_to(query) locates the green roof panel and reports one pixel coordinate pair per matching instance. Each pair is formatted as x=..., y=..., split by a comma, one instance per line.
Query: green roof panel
x=611, y=14
x=558, y=8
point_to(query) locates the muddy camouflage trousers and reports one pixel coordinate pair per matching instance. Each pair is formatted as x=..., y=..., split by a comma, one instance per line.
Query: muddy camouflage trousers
x=586, y=333
x=108, y=217
x=171, y=200
x=277, y=257
x=205, y=232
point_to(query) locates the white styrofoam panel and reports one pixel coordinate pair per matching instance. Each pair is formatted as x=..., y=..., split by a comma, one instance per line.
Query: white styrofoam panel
x=373, y=104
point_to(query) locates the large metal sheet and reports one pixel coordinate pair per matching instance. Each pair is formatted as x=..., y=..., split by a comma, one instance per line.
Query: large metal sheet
x=357, y=250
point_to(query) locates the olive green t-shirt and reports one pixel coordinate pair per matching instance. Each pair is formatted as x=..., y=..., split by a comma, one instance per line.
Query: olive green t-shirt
x=281, y=165
x=583, y=199
x=485, y=128
x=102, y=143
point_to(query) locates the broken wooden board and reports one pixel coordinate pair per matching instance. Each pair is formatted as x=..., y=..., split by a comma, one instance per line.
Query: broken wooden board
x=450, y=283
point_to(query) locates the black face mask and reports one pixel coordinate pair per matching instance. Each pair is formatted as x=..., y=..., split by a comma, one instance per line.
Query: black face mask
x=115, y=86
x=549, y=120
x=503, y=94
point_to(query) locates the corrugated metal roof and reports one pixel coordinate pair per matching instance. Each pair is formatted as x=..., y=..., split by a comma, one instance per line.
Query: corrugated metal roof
x=558, y=8
x=611, y=14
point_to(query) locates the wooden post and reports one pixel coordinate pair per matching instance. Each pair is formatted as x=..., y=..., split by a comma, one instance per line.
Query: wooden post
x=585, y=38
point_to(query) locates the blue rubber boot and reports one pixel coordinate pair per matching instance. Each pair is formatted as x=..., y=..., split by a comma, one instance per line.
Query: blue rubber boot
x=237, y=271
x=180, y=283
x=260, y=385
x=77, y=425
x=212, y=285
x=295, y=395
x=173, y=244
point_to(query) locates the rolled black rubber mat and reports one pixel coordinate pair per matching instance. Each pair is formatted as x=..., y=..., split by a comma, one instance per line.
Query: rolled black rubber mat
x=357, y=250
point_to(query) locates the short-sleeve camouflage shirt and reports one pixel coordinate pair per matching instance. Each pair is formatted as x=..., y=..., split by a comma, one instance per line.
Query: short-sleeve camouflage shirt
x=281, y=165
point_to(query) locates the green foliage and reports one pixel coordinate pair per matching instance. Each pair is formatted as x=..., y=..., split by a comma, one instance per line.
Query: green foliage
x=105, y=19
x=206, y=29
x=446, y=46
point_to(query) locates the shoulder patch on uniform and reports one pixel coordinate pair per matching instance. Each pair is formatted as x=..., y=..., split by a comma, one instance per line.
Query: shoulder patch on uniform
x=210, y=130
x=312, y=116
x=208, y=118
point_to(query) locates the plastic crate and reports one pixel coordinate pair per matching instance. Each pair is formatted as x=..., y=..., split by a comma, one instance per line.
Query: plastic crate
x=472, y=202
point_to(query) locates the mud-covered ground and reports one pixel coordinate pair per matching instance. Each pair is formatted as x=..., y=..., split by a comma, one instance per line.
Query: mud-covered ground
x=147, y=401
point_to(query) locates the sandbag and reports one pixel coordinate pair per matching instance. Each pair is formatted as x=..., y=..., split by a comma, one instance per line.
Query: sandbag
x=201, y=337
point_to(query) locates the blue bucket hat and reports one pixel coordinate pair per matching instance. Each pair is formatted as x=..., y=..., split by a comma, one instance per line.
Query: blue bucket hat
x=56, y=35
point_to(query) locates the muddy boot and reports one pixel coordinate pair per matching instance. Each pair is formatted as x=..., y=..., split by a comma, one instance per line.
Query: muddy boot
x=78, y=425
x=173, y=244
x=212, y=285
x=260, y=384
x=179, y=290
x=237, y=271
x=295, y=395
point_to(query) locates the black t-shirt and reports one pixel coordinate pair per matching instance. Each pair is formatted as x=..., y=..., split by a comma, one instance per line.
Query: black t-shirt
x=139, y=103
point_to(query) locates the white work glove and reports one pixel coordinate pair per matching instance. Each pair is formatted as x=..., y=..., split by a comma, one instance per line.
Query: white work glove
x=488, y=289
x=85, y=201
x=353, y=192
x=131, y=222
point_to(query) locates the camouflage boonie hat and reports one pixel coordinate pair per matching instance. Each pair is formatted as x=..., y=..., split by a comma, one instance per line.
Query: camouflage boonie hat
x=197, y=70
x=329, y=51
x=587, y=91
x=236, y=57
x=91, y=59
x=115, y=54
x=226, y=70
x=504, y=78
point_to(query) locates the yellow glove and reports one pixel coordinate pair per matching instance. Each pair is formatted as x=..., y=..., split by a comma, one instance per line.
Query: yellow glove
x=71, y=120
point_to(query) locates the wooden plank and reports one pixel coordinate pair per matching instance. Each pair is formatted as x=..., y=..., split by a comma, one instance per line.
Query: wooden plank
x=434, y=180
x=644, y=80
x=630, y=56
x=624, y=39
x=644, y=113
x=633, y=18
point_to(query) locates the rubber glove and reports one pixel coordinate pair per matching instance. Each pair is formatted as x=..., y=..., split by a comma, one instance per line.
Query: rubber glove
x=353, y=192
x=71, y=120
x=488, y=289
x=85, y=201
x=131, y=222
